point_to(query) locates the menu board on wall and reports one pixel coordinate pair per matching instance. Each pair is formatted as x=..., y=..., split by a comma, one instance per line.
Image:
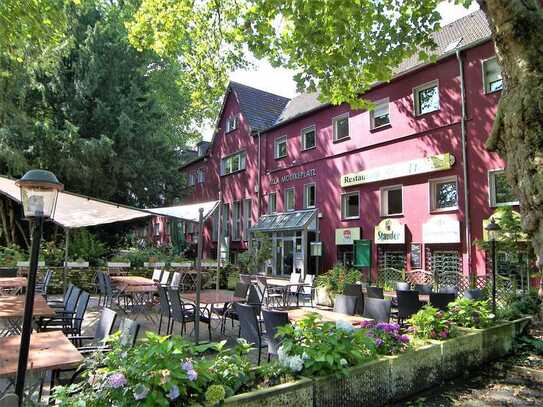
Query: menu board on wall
x=416, y=256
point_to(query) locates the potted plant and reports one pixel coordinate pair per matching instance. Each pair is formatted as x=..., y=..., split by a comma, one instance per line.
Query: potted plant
x=332, y=283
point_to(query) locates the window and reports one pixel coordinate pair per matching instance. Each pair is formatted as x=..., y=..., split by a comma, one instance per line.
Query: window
x=192, y=179
x=310, y=197
x=501, y=193
x=350, y=205
x=309, y=138
x=341, y=127
x=444, y=194
x=233, y=163
x=215, y=226
x=236, y=220
x=391, y=201
x=379, y=116
x=492, y=75
x=246, y=218
x=280, y=147
x=289, y=199
x=200, y=176
x=426, y=98
x=225, y=220
x=231, y=124
x=156, y=229
x=272, y=202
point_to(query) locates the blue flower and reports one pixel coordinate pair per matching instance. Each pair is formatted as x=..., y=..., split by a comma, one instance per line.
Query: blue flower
x=186, y=366
x=117, y=380
x=344, y=326
x=173, y=393
x=192, y=375
x=140, y=392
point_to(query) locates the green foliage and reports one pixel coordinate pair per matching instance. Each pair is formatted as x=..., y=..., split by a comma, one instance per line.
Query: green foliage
x=337, y=278
x=471, y=314
x=150, y=254
x=85, y=245
x=430, y=323
x=252, y=261
x=9, y=256
x=387, y=337
x=532, y=344
x=315, y=348
x=521, y=305
x=52, y=254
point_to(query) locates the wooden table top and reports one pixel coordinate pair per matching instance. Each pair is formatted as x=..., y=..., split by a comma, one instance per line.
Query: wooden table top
x=132, y=281
x=283, y=283
x=12, y=307
x=210, y=297
x=394, y=294
x=48, y=350
x=128, y=289
x=297, y=314
x=12, y=282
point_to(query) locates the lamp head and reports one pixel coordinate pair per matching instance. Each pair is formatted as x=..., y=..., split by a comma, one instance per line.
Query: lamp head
x=39, y=192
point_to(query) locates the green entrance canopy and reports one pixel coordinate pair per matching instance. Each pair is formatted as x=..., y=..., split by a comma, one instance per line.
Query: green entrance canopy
x=295, y=220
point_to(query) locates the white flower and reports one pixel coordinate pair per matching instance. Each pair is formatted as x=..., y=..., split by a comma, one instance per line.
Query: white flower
x=343, y=362
x=281, y=355
x=296, y=363
x=344, y=326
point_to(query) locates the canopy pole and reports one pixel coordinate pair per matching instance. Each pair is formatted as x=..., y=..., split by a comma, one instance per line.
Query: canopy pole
x=219, y=241
x=66, y=247
x=198, y=276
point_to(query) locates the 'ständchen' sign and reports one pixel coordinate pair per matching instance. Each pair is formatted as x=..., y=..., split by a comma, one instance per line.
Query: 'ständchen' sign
x=390, y=231
x=420, y=166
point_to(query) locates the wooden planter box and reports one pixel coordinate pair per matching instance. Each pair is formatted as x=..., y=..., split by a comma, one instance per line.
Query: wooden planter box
x=184, y=264
x=461, y=353
x=118, y=265
x=26, y=264
x=295, y=394
x=77, y=264
x=521, y=324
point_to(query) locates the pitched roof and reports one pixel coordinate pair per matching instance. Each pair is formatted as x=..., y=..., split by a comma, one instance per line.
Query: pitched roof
x=261, y=109
x=464, y=32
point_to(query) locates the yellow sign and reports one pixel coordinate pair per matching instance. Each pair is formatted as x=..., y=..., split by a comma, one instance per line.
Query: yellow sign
x=390, y=231
x=420, y=166
x=347, y=235
x=498, y=213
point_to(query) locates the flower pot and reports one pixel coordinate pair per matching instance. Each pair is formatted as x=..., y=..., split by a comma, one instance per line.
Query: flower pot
x=77, y=264
x=323, y=297
x=294, y=394
x=118, y=264
x=155, y=265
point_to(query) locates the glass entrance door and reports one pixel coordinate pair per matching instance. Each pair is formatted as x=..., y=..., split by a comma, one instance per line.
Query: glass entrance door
x=284, y=258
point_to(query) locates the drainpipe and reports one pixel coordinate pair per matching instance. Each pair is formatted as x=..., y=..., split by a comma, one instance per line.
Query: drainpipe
x=258, y=180
x=467, y=216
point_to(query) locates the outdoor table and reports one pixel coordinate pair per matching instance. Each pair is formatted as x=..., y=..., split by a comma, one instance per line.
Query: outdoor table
x=210, y=298
x=124, y=281
x=393, y=294
x=12, y=285
x=285, y=286
x=297, y=314
x=48, y=351
x=138, y=292
x=12, y=311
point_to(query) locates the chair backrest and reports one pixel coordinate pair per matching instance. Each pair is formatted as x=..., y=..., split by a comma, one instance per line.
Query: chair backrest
x=67, y=293
x=101, y=279
x=402, y=286
x=71, y=302
x=375, y=292
x=176, y=279
x=47, y=279
x=449, y=289
x=377, y=309
x=356, y=291
x=8, y=272
x=295, y=278
x=423, y=288
x=262, y=283
x=108, y=285
x=176, y=303
x=165, y=277
x=157, y=273
x=241, y=290
x=129, y=332
x=474, y=294
x=408, y=303
x=441, y=300
x=255, y=297
x=249, y=328
x=345, y=304
x=164, y=301
x=309, y=280
x=245, y=278
x=273, y=320
x=105, y=324
x=80, y=310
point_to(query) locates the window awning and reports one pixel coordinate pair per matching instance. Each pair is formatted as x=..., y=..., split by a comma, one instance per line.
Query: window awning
x=189, y=213
x=296, y=220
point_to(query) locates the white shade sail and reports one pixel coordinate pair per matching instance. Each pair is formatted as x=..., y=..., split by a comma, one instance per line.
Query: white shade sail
x=189, y=213
x=78, y=211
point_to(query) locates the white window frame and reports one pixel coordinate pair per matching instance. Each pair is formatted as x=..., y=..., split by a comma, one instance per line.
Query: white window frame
x=424, y=86
x=384, y=200
x=378, y=104
x=483, y=70
x=306, y=196
x=231, y=123
x=280, y=140
x=492, y=189
x=274, y=194
x=432, y=193
x=304, y=132
x=335, y=120
x=343, y=202
x=242, y=163
x=287, y=190
x=236, y=221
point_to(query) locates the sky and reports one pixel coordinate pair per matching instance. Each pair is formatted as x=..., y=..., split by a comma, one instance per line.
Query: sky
x=279, y=80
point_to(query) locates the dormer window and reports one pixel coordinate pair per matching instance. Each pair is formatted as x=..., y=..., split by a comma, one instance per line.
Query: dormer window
x=231, y=124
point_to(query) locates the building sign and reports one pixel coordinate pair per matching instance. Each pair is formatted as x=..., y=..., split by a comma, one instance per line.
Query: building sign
x=347, y=235
x=420, y=166
x=441, y=229
x=293, y=176
x=390, y=231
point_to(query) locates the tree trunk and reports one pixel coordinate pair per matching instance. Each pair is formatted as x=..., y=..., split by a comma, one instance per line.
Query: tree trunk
x=517, y=135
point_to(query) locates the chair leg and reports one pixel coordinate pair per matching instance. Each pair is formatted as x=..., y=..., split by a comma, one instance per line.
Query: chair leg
x=160, y=324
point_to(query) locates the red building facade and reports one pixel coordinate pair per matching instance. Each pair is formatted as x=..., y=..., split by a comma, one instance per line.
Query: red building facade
x=412, y=176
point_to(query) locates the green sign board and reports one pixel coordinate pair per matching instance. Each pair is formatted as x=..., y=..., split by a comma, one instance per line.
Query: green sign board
x=362, y=253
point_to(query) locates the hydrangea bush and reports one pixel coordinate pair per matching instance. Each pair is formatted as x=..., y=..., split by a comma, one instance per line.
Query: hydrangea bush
x=431, y=323
x=387, y=337
x=471, y=314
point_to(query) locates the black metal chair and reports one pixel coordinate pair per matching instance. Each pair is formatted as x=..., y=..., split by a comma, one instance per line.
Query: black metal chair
x=355, y=290
x=377, y=309
x=113, y=292
x=104, y=328
x=375, y=292
x=184, y=313
x=441, y=300
x=474, y=294
x=345, y=304
x=68, y=320
x=270, y=295
x=408, y=304
x=43, y=286
x=129, y=332
x=245, y=278
x=423, y=288
x=227, y=311
x=101, y=284
x=255, y=298
x=307, y=291
x=249, y=327
x=273, y=320
x=62, y=303
x=449, y=289
x=402, y=286
x=164, y=309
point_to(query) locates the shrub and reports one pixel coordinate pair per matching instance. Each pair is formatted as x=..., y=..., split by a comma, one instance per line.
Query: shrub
x=10, y=255
x=52, y=254
x=85, y=245
x=387, y=337
x=337, y=278
x=316, y=348
x=430, y=323
x=524, y=304
x=471, y=314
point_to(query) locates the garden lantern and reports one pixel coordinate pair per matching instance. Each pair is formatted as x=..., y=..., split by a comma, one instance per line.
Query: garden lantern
x=493, y=230
x=39, y=192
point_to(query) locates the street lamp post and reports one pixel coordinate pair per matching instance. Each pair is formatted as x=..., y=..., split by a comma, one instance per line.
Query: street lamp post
x=493, y=229
x=39, y=192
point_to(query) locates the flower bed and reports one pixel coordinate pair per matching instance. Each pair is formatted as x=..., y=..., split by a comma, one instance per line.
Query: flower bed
x=295, y=394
